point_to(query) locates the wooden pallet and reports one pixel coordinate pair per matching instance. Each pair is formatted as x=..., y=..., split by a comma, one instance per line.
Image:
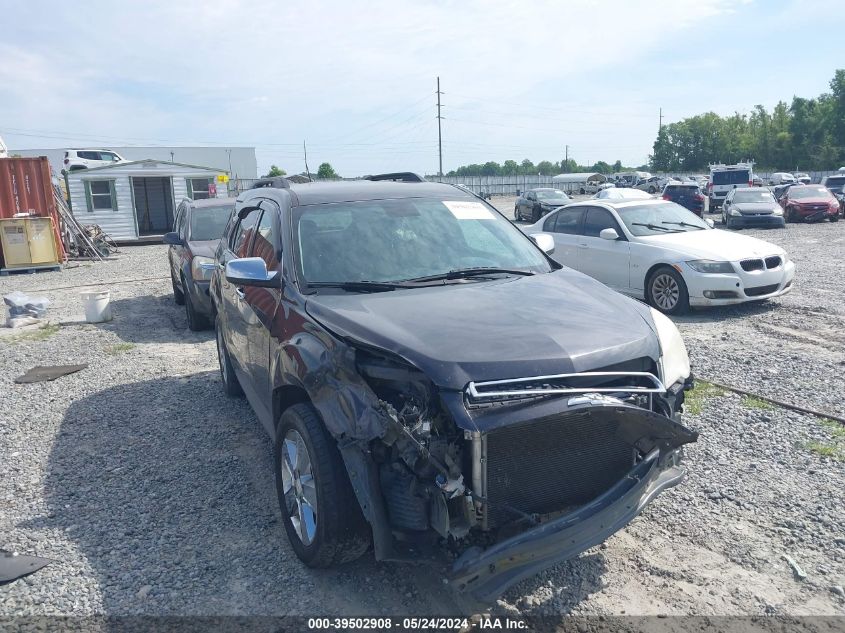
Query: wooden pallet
x=4, y=272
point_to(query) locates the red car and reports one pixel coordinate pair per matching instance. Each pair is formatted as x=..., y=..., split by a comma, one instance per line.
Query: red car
x=809, y=203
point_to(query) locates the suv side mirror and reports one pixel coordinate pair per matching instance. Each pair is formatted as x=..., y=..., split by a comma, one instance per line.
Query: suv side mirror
x=172, y=238
x=545, y=241
x=609, y=234
x=251, y=271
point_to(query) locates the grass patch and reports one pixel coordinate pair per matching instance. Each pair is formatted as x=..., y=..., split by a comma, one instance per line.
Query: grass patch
x=119, y=348
x=824, y=449
x=833, y=448
x=750, y=402
x=43, y=332
x=695, y=400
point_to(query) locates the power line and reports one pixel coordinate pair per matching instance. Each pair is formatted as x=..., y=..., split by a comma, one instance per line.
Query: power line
x=439, y=135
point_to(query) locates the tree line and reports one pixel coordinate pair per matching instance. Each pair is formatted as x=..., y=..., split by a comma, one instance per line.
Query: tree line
x=808, y=134
x=544, y=167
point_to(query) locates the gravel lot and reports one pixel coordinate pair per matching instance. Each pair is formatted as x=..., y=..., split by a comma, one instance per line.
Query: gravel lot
x=154, y=492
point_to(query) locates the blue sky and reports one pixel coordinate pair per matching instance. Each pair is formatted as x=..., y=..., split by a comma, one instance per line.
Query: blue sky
x=521, y=79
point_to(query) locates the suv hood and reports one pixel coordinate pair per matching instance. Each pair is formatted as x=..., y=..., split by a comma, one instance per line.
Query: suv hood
x=552, y=323
x=714, y=244
x=203, y=248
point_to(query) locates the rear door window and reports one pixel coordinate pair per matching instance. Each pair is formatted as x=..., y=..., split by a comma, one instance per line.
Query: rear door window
x=732, y=177
x=597, y=220
x=568, y=221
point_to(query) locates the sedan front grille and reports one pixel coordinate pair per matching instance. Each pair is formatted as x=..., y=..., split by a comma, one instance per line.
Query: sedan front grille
x=773, y=261
x=759, y=291
x=552, y=464
x=750, y=265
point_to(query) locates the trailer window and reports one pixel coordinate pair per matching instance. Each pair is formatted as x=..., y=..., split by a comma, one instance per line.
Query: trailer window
x=732, y=177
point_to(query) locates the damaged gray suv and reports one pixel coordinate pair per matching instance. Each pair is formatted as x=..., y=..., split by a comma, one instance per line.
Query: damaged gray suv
x=437, y=388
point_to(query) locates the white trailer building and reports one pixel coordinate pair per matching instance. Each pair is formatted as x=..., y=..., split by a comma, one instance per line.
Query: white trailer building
x=136, y=200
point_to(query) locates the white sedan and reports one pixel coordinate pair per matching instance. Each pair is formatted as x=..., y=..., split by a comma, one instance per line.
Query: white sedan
x=658, y=251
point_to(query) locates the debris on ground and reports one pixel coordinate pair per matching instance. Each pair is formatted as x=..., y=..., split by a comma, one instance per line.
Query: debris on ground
x=42, y=373
x=799, y=573
x=23, y=309
x=14, y=566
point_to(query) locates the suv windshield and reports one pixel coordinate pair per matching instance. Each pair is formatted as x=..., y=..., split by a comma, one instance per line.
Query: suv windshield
x=754, y=196
x=552, y=195
x=657, y=219
x=732, y=177
x=809, y=192
x=398, y=240
x=207, y=223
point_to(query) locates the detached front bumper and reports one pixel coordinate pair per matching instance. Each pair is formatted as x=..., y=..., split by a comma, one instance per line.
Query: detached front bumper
x=485, y=574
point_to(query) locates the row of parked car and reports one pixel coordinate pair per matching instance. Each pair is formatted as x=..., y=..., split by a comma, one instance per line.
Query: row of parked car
x=377, y=329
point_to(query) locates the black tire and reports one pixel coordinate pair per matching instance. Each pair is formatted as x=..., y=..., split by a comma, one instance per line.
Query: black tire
x=657, y=285
x=582, y=191
x=178, y=295
x=652, y=190
x=196, y=322
x=227, y=372
x=790, y=216
x=834, y=218
x=516, y=215
x=340, y=532
x=535, y=215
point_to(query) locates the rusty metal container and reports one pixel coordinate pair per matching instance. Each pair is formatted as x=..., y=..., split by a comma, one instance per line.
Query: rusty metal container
x=26, y=187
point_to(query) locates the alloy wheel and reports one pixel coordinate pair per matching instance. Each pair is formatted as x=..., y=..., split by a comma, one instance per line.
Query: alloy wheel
x=299, y=486
x=665, y=291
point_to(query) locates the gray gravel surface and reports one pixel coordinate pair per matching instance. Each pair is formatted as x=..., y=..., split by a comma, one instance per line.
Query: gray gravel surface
x=155, y=495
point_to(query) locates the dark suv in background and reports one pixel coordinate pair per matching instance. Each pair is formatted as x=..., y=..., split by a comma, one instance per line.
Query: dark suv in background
x=197, y=229
x=686, y=194
x=378, y=331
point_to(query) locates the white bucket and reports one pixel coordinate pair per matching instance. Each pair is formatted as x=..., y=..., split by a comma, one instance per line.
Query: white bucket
x=97, y=308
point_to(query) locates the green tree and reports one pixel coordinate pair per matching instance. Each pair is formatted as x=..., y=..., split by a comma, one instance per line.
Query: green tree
x=275, y=171
x=527, y=168
x=617, y=166
x=491, y=168
x=569, y=166
x=546, y=168
x=326, y=172
x=510, y=168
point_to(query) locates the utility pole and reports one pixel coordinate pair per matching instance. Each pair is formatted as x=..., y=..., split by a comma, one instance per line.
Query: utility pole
x=229, y=152
x=567, y=155
x=660, y=127
x=305, y=153
x=439, y=133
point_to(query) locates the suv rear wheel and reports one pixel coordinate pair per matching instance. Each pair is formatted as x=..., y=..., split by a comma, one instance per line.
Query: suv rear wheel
x=321, y=514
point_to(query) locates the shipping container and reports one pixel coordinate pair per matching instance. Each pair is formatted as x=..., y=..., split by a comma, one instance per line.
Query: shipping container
x=26, y=187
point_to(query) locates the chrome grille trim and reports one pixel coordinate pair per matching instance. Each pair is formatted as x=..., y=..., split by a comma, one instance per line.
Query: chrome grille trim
x=547, y=389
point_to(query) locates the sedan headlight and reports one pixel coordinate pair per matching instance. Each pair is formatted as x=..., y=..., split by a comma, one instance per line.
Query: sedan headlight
x=201, y=268
x=777, y=211
x=710, y=266
x=734, y=212
x=674, y=361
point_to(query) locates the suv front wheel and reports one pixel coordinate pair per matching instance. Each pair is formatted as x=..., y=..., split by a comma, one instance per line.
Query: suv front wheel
x=321, y=514
x=227, y=372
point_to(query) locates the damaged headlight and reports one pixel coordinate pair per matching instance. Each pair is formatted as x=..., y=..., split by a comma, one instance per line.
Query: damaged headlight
x=674, y=361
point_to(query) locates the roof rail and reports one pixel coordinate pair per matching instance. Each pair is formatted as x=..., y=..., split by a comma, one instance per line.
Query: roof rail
x=399, y=176
x=276, y=182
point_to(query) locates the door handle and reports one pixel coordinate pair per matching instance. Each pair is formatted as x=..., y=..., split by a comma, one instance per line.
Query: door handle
x=240, y=293
x=583, y=246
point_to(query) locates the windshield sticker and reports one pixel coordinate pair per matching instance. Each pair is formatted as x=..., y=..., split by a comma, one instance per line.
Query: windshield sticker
x=468, y=210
